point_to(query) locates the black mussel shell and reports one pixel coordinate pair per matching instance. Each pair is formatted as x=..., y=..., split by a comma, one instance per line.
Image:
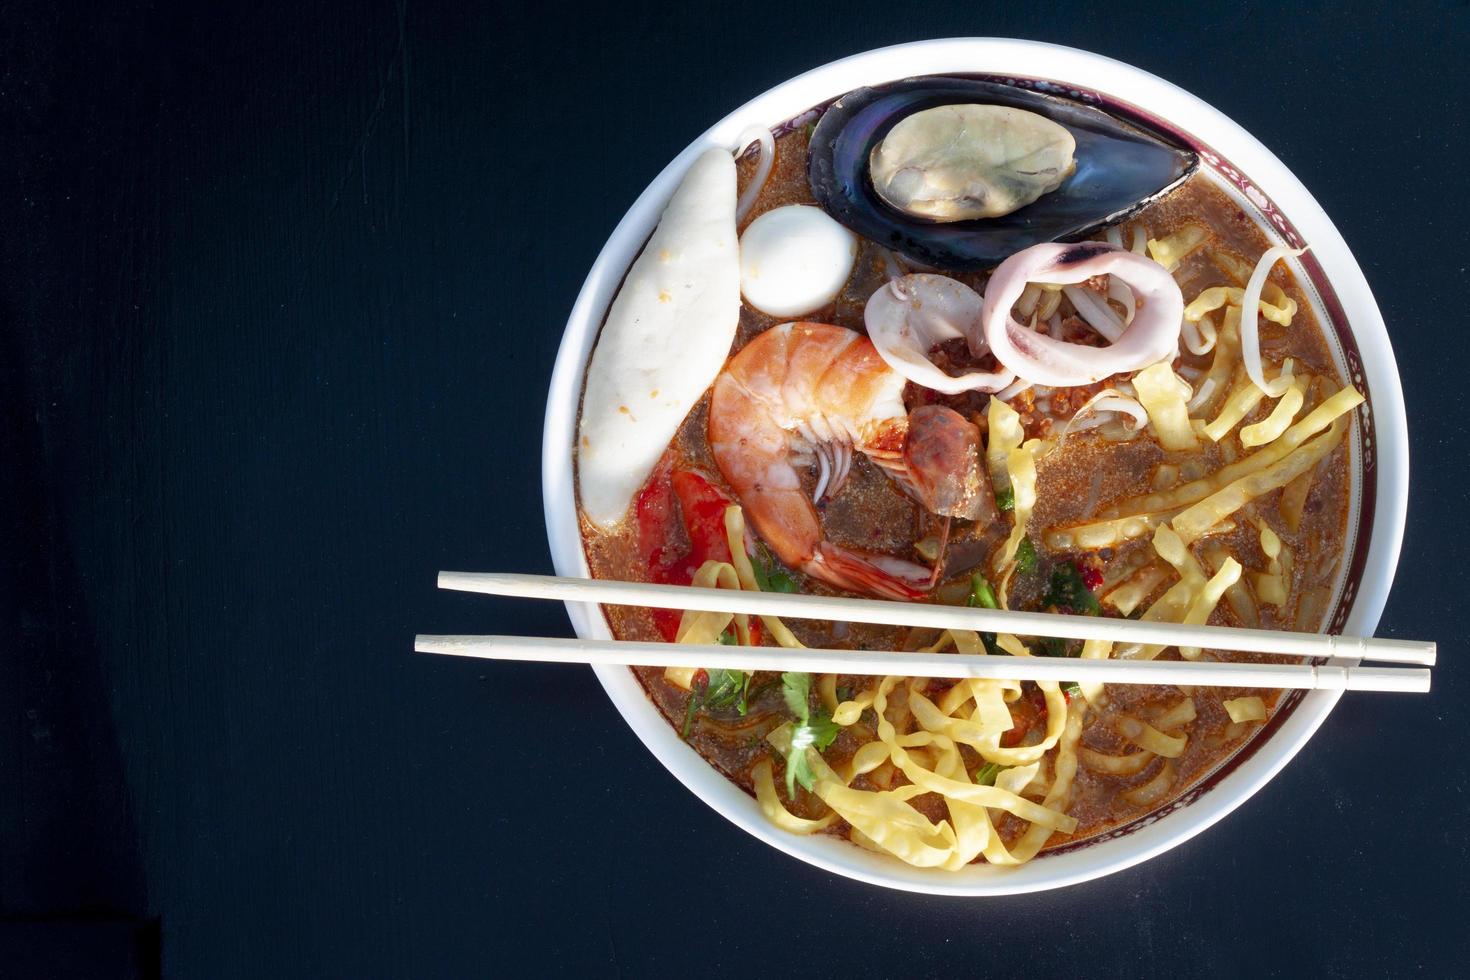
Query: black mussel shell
x=1121, y=169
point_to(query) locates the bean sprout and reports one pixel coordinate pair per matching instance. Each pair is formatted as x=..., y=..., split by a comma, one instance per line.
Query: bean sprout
x=1250, y=308
x=1140, y=240
x=1096, y=311
x=1012, y=390
x=1106, y=401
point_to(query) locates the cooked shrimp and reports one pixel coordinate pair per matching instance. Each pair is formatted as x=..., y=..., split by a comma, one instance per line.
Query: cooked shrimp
x=802, y=387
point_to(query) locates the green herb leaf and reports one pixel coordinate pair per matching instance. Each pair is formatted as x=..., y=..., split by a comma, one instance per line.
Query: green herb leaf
x=772, y=579
x=718, y=689
x=818, y=732
x=697, y=691
x=813, y=730
x=985, y=775
x=981, y=594
x=762, y=577
x=781, y=582
x=1006, y=499
x=727, y=689
x=827, y=730
x=1052, y=646
x=798, y=766
x=1072, y=689
x=1026, y=556
x=1068, y=591
x=796, y=689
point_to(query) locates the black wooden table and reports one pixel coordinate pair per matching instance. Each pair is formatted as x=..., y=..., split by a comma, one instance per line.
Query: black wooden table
x=282, y=285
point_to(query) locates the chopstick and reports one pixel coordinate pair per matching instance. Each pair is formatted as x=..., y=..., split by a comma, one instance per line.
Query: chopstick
x=879, y=663
x=852, y=610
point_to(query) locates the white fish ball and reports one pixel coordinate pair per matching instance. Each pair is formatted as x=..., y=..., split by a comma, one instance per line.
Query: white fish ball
x=794, y=260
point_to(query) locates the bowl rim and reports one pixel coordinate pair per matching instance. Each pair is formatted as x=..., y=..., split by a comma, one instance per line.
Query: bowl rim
x=1153, y=95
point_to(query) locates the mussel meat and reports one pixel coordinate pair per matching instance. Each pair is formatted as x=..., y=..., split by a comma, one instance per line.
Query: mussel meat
x=1119, y=169
x=957, y=162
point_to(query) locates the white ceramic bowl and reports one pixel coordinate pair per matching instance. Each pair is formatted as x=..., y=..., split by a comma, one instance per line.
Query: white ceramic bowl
x=1268, y=192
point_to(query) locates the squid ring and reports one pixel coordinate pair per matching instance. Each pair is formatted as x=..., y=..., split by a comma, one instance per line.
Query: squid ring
x=1151, y=337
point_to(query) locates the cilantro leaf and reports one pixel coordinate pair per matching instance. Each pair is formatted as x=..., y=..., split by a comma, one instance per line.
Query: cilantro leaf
x=798, y=767
x=1052, y=646
x=825, y=728
x=698, y=688
x=779, y=581
x=796, y=689
x=817, y=733
x=1068, y=591
x=719, y=689
x=762, y=577
x=1006, y=499
x=1026, y=556
x=727, y=689
x=813, y=730
x=772, y=579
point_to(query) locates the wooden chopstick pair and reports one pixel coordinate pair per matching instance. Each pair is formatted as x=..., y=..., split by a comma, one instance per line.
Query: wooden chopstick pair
x=1334, y=675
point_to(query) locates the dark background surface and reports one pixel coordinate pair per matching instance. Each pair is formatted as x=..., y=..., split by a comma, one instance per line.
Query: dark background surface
x=282, y=285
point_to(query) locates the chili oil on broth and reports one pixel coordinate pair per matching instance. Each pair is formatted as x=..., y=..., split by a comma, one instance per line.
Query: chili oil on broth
x=1074, y=483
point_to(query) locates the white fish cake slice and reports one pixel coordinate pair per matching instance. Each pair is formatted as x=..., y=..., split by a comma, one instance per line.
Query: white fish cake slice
x=666, y=337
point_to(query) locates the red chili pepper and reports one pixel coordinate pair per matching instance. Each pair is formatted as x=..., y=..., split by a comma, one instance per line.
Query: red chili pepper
x=700, y=506
x=1092, y=576
x=655, y=511
x=703, y=505
x=1038, y=699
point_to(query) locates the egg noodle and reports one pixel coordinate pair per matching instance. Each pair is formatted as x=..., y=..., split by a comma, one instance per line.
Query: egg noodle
x=919, y=739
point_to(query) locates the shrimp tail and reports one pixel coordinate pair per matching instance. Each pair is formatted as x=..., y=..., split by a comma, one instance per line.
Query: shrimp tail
x=891, y=578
